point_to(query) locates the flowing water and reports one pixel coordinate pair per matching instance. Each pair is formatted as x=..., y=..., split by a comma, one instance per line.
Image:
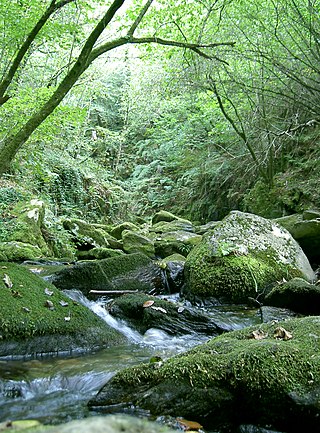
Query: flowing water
x=56, y=390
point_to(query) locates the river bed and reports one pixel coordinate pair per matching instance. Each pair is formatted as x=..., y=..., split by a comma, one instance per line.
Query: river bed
x=56, y=390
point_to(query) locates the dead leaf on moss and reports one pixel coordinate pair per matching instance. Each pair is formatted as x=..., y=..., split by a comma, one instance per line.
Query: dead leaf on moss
x=282, y=334
x=16, y=294
x=162, y=310
x=7, y=281
x=258, y=334
x=189, y=425
x=148, y=304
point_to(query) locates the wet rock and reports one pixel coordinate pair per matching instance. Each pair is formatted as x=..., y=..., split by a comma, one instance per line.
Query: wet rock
x=243, y=257
x=145, y=312
x=126, y=272
x=297, y=295
x=233, y=378
x=32, y=324
x=174, y=269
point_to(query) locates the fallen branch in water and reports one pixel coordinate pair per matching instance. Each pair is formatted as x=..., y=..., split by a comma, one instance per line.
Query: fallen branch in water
x=112, y=292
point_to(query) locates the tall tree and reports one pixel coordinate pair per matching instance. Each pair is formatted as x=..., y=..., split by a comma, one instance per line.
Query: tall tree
x=115, y=19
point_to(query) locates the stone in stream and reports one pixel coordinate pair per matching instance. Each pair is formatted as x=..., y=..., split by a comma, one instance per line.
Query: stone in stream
x=243, y=257
x=265, y=375
x=145, y=312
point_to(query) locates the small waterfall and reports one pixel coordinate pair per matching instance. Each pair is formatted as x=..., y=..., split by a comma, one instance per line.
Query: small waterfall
x=154, y=338
x=99, y=309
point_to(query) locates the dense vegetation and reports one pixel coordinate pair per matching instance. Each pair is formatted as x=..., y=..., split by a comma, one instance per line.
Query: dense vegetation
x=220, y=111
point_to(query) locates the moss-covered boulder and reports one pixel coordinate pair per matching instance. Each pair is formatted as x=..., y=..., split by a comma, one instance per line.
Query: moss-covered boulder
x=172, y=226
x=163, y=215
x=305, y=229
x=24, y=237
x=85, y=235
x=135, y=242
x=200, y=230
x=116, y=232
x=145, y=312
x=126, y=272
x=307, y=233
x=105, y=424
x=99, y=253
x=175, y=242
x=243, y=257
x=19, y=251
x=297, y=295
x=269, y=375
x=36, y=318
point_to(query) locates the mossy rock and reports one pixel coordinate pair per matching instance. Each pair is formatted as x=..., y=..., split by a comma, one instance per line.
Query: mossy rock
x=175, y=242
x=201, y=230
x=161, y=314
x=307, y=233
x=297, y=295
x=116, y=232
x=15, y=251
x=27, y=231
x=36, y=317
x=126, y=272
x=241, y=258
x=269, y=375
x=289, y=221
x=85, y=235
x=99, y=254
x=134, y=242
x=174, y=269
x=173, y=226
x=163, y=215
x=105, y=424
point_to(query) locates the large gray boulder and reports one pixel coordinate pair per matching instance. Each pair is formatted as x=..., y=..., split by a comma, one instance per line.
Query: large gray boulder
x=243, y=257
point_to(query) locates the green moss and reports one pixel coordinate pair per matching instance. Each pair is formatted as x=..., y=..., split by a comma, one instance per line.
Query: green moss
x=242, y=257
x=129, y=271
x=23, y=310
x=270, y=371
x=19, y=251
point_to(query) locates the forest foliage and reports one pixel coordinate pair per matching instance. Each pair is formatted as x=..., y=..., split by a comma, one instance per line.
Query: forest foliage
x=225, y=116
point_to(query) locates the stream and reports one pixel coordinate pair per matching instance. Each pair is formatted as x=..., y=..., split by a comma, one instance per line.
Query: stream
x=56, y=390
